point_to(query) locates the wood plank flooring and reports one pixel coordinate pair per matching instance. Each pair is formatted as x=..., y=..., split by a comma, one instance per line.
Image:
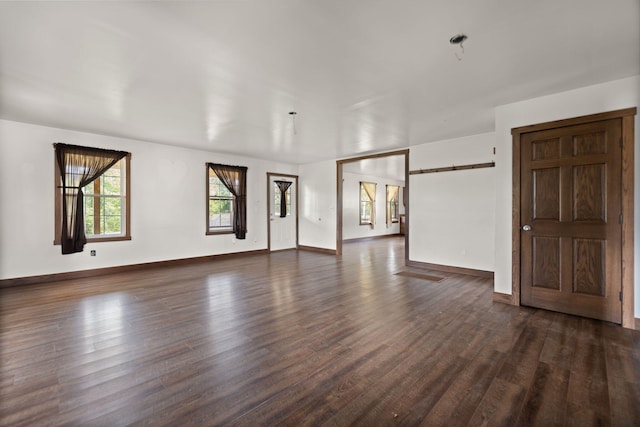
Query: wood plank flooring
x=300, y=338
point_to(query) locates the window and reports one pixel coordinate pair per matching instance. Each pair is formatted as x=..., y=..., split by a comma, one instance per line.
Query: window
x=227, y=199
x=277, y=203
x=392, y=204
x=367, y=203
x=220, y=206
x=103, y=177
x=104, y=200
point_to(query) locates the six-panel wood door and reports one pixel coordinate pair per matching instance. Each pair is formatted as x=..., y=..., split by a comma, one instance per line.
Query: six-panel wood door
x=570, y=199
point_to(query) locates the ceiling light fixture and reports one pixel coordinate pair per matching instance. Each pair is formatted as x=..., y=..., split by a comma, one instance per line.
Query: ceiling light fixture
x=293, y=120
x=459, y=40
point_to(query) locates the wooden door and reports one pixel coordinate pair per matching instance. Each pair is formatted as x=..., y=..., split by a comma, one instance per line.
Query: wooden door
x=570, y=216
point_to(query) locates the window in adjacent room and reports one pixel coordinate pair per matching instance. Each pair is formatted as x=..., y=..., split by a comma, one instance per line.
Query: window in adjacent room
x=392, y=204
x=92, y=196
x=227, y=199
x=367, y=203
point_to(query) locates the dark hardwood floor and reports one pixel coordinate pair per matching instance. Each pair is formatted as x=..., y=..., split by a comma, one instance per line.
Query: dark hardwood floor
x=300, y=338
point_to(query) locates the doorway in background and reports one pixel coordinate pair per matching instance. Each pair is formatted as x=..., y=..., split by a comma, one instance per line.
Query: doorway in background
x=340, y=195
x=282, y=211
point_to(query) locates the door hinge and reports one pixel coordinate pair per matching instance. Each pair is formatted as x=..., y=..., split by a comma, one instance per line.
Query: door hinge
x=620, y=219
x=620, y=294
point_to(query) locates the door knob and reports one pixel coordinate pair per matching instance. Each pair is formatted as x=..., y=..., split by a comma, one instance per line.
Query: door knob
x=526, y=227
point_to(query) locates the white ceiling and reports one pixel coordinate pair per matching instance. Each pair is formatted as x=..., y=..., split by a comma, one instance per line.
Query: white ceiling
x=363, y=75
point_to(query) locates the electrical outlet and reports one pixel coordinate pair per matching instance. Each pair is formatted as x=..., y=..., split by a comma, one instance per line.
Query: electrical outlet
x=93, y=252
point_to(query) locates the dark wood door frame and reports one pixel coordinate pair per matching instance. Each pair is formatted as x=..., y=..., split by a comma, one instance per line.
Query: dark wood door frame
x=268, y=198
x=339, y=183
x=628, y=141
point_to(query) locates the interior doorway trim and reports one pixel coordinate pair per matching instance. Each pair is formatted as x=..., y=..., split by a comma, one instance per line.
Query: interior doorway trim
x=294, y=177
x=339, y=183
x=627, y=250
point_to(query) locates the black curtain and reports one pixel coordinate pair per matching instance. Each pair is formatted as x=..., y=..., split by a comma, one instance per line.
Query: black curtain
x=235, y=179
x=283, y=186
x=79, y=167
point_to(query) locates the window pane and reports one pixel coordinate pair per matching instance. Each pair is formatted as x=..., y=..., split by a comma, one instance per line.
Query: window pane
x=366, y=202
x=365, y=211
x=110, y=185
x=111, y=224
x=88, y=215
x=214, y=207
x=110, y=208
x=276, y=199
x=225, y=219
x=288, y=198
x=217, y=188
x=220, y=213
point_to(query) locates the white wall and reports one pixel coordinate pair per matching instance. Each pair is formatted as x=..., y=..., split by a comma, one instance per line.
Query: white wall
x=317, y=216
x=594, y=99
x=453, y=213
x=351, y=228
x=167, y=203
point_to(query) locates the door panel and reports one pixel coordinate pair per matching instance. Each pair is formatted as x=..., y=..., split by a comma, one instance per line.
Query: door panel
x=589, y=189
x=570, y=197
x=546, y=200
x=589, y=262
x=546, y=258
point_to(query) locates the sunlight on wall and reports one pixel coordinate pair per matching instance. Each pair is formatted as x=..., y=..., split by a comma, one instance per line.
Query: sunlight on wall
x=310, y=203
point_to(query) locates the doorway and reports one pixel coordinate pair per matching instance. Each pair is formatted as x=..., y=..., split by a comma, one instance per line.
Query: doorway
x=573, y=216
x=282, y=211
x=340, y=194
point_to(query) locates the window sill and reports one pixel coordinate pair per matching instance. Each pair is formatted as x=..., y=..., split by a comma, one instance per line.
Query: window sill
x=100, y=239
x=214, y=232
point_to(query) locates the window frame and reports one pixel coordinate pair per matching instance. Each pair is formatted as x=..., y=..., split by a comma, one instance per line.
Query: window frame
x=371, y=202
x=220, y=230
x=93, y=238
x=397, y=204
